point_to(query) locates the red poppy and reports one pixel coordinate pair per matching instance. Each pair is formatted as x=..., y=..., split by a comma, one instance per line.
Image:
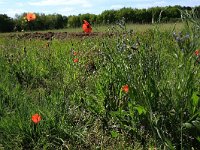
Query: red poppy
x=36, y=118
x=125, y=88
x=75, y=53
x=75, y=60
x=86, y=27
x=197, y=52
x=30, y=16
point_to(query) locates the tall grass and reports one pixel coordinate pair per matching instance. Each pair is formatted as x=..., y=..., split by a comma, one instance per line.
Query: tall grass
x=105, y=28
x=83, y=105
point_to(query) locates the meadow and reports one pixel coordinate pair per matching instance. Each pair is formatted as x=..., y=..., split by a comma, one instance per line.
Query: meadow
x=137, y=88
x=136, y=27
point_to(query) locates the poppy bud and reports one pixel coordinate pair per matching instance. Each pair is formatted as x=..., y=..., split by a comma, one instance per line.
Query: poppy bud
x=75, y=60
x=125, y=88
x=36, y=118
x=197, y=52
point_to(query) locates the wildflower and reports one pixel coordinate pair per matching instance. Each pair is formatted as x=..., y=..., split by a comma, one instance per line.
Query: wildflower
x=25, y=19
x=75, y=53
x=197, y=52
x=125, y=88
x=36, y=118
x=30, y=16
x=75, y=60
x=86, y=27
x=187, y=36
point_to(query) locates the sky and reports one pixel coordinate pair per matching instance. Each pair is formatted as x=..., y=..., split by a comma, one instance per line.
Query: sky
x=75, y=7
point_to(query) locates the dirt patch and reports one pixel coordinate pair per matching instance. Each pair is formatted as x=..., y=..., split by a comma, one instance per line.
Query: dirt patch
x=57, y=35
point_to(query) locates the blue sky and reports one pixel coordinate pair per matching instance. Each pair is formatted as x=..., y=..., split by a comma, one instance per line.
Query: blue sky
x=75, y=7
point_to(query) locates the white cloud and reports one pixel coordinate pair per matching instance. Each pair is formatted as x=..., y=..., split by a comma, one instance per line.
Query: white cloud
x=12, y=12
x=160, y=3
x=143, y=1
x=67, y=11
x=20, y=4
x=116, y=6
x=151, y=3
x=1, y=1
x=82, y=3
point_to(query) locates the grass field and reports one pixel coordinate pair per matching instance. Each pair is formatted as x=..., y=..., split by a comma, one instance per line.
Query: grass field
x=134, y=27
x=106, y=28
x=133, y=90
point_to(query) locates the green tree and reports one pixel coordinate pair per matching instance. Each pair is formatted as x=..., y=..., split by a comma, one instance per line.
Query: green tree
x=171, y=14
x=91, y=18
x=155, y=11
x=74, y=21
x=127, y=13
x=6, y=23
x=108, y=16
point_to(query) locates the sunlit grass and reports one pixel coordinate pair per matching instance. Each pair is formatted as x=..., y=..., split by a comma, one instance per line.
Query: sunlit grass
x=134, y=27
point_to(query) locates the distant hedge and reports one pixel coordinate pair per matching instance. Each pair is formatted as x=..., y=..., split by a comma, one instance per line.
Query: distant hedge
x=6, y=23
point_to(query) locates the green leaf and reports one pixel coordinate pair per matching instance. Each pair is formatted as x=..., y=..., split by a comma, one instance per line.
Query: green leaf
x=187, y=125
x=114, y=134
x=198, y=138
x=195, y=99
x=196, y=123
x=140, y=109
x=169, y=144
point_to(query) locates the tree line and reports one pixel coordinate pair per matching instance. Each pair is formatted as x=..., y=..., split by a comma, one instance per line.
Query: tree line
x=131, y=15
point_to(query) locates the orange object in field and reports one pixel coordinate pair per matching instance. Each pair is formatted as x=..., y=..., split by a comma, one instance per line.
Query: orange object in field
x=75, y=60
x=36, y=118
x=30, y=16
x=197, y=52
x=86, y=27
x=125, y=88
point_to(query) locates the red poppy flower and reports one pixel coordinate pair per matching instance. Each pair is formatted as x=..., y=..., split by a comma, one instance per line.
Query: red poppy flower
x=125, y=88
x=197, y=52
x=30, y=16
x=86, y=27
x=75, y=60
x=36, y=118
x=75, y=53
